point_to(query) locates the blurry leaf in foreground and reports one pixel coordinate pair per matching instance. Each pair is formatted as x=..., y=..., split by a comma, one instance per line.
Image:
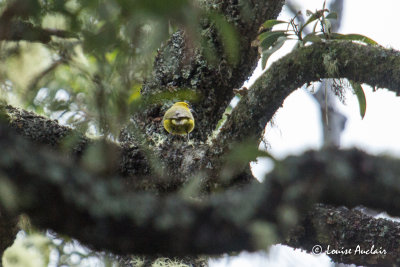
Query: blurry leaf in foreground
x=8, y=194
x=245, y=152
x=176, y=96
x=135, y=93
x=263, y=234
x=241, y=154
x=229, y=37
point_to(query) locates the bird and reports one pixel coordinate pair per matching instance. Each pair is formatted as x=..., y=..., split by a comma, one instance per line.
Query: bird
x=178, y=119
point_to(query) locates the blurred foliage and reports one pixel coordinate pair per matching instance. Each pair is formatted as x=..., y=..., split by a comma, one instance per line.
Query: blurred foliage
x=36, y=249
x=92, y=80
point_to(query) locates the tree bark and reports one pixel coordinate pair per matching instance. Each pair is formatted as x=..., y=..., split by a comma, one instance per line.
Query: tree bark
x=121, y=203
x=105, y=216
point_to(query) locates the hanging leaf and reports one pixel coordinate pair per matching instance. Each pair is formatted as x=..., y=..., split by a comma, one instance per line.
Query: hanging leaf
x=362, y=101
x=267, y=39
x=267, y=53
x=353, y=37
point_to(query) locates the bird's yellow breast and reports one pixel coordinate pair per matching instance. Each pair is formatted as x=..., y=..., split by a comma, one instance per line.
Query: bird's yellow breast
x=181, y=126
x=178, y=119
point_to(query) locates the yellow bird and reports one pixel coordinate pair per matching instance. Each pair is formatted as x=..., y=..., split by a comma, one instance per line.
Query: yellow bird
x=178, y=119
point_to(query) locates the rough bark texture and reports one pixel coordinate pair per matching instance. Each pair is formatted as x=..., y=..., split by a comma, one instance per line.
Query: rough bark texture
x=106, y=217
x=338, y=192
x=179, y=64
x=107, y=208
x=367, y=241
x=303, y=66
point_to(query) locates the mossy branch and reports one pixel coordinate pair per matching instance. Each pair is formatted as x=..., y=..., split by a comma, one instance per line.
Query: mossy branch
x=126, y=160
x=107, y=217
x=376, y=66
x=185, y=64
x=324, y=226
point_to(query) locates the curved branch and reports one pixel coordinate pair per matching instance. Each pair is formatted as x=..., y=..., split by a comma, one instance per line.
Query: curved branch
x=376, y=66
x=107, y=217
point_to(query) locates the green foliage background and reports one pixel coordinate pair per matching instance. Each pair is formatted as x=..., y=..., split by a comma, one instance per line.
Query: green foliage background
x=89, y=80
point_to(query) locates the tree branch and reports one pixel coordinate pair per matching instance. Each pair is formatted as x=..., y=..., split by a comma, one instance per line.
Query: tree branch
x=125, y=159
x=107, y=217
x=182, y=63
x=376, y=66
x=324, y=226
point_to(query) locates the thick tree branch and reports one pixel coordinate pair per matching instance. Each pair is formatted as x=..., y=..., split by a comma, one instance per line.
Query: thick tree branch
x=376, y=66
x=40, y=129
x=106, y=217
x=325, y=226
x=184, y=64
x=126, y=159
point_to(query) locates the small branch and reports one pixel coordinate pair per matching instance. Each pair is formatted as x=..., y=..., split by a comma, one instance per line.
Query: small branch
x=376, y=66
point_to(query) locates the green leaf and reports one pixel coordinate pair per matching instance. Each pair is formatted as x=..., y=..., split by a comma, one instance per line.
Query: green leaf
x=272, y=22
x=353, y=37
x=179, y=94
x=313, y=38
x=267, y=53
x=332, y=15
x=245, y=152
x=311, y=19
x=267, y=39
x=362, y=101
x=229, y=37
